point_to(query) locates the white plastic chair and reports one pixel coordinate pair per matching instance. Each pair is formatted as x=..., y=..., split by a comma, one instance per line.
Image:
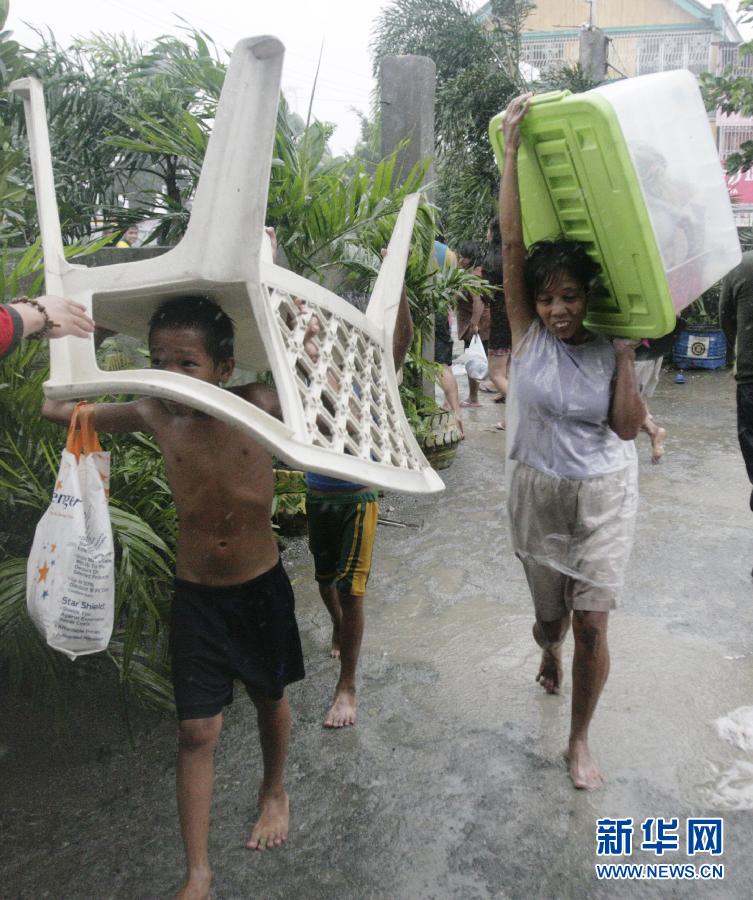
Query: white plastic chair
x=341, y=408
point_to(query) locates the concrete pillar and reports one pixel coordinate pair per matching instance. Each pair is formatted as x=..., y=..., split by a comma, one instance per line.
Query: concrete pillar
x=408, y=88
x=592, y=53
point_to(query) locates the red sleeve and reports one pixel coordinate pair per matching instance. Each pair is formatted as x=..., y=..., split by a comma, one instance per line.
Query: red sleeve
x=11, y=330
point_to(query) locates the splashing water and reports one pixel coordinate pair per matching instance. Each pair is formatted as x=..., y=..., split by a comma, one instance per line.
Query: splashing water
x=737, y=728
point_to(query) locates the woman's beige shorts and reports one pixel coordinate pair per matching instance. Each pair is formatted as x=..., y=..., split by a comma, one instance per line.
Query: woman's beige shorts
x=573, y=537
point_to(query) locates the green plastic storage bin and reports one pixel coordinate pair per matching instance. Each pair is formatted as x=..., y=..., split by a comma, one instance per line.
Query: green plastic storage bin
x=631, y=171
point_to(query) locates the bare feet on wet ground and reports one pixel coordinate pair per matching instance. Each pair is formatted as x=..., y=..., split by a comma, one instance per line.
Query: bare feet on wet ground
x=343, y=709
x=334, y=650
x=657, y=444
x=196, y=886
x=581, y=766
x=271, y=829
x=550, y=670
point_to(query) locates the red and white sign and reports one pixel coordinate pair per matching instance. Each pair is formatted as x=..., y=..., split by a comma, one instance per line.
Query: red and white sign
x=740, y=186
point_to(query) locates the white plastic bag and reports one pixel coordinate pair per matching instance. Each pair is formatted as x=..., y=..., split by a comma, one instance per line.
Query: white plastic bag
x=476, y=363
x=70, y=583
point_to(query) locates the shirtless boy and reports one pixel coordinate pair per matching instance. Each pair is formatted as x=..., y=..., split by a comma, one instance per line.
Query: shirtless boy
x=233, y=612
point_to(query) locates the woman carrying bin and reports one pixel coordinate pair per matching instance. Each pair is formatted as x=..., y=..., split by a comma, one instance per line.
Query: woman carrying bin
x=573, y=412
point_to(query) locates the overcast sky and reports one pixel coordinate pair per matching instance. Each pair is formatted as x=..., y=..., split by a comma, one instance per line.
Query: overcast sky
x=341, y=26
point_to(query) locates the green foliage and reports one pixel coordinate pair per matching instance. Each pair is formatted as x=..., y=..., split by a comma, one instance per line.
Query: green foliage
x=144, y=529
x=290, y=494
x=108, y=101
x=733, y=94
x=568, y=77
x=127, y=115
x=327, y=211
x=13, y=189
x=477, y=74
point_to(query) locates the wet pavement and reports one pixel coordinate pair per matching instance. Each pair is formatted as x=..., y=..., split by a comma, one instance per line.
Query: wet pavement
x=452, y=785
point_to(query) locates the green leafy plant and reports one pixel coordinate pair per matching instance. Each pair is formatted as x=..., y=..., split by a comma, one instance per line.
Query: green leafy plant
x=143, y=518
x=733, y=94
x=477, y=60
x=290, y=494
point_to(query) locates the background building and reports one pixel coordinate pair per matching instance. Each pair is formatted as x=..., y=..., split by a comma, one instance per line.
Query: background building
x=647, y=36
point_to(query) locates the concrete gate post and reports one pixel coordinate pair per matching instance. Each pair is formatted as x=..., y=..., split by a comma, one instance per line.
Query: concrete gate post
x=408, y=88
x=592, y=53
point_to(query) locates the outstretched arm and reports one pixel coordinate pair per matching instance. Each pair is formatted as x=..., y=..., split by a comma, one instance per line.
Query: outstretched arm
x=519, y=312
x=54, y=316
x=627, y=411
x=261, y=395
x=403, y=334
x=108, y=417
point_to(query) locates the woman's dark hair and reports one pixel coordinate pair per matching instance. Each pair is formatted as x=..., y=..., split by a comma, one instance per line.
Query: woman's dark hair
x=548, y=260
x=470, y=250
x=492, y=262
x=491, y=266
x=201, y=314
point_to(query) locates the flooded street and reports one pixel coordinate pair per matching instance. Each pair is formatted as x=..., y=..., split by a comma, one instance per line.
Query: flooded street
x=453, y=785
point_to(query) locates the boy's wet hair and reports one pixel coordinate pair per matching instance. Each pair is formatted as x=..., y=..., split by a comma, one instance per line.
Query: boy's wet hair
x=547, y=261
x=201, y=314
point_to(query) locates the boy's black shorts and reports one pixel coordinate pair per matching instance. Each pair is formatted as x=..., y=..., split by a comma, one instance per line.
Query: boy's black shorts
x=246, y=631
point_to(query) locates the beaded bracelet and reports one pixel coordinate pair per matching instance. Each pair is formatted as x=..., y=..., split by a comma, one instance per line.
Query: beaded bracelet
x=46, y=329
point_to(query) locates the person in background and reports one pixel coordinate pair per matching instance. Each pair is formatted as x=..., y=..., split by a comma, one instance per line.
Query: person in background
x=446, y=259
x=129, y=238
x=647, y=372
x=342, y=521
x=736, y=319
x=473, y=313
x=45, y=317
x=500, y=335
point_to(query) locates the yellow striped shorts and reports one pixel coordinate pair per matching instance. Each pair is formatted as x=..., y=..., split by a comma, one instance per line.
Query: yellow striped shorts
x=342, y=527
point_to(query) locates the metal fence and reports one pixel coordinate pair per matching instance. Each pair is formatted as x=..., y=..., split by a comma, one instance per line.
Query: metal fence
x=635, y=53
x=730, y=57
x=730, y=137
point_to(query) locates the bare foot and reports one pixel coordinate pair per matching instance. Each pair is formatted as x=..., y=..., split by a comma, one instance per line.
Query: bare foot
x=334, y=650
x=196, y=886
x=581, y=767
x=271, y=829
x=550, y=671
x=657, y=444
x=343, y=709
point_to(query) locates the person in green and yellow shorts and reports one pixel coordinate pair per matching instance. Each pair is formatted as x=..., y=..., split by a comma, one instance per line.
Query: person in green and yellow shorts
x=342, y=522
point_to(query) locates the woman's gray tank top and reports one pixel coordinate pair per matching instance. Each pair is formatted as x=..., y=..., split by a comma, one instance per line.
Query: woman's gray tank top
x=562, y=394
